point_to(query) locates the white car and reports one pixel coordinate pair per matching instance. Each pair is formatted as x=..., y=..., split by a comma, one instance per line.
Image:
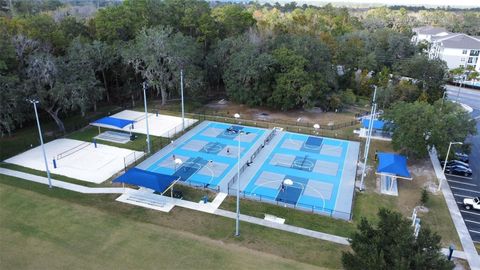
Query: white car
x=470, y=203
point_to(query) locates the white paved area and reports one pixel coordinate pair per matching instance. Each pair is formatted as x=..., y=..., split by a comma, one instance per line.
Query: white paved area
x=471, y=254
x=78, y=159
x=61, y=184
x=159, y=125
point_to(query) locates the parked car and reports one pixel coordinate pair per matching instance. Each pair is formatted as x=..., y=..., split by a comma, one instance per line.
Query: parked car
x=455, y=162
x=472, y=203
x=462, y=157
x=458, y=170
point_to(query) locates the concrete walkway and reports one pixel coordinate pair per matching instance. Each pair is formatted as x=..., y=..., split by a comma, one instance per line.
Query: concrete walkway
x=284, y=227
x=471, y=254
x=61, y=184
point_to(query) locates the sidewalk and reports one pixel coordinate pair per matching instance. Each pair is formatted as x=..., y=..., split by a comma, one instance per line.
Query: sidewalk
x=61, y=184
x=471, y=254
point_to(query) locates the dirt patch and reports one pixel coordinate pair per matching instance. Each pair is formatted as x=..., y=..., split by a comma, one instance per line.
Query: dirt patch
x=314, y=115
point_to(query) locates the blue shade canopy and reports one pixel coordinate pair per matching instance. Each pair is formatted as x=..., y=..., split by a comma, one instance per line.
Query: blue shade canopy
x=112, y=122
x=156, y=181
x=377, y=124
x=392, y=163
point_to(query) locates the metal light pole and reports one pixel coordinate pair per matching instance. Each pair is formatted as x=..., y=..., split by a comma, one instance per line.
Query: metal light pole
x=35, y=102
x=369, y=135
x=145, y=85
x=446, y=160
x=181, y=93
x=237, y=223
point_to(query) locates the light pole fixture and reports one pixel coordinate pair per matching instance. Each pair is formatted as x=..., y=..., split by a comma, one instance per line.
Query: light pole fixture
x=145, y=85
x=237, y=223
x=446, y=160
x=316, y=127
x=35, y=102
x=369, y=136
x=181, y=93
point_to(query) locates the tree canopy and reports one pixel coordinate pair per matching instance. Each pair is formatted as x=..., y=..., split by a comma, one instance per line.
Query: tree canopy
x=418, y=126
x=390, y=244
x=283, y=57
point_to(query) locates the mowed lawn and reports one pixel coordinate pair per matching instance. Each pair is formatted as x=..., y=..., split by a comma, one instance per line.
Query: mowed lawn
x=58, y=229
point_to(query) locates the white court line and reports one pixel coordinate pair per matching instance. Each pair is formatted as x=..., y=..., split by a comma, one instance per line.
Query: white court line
x=463, y=183
x=454, y=175
x=469, y=212
x=465, y=189
x=476, y=222
x=460, y=195
x=473, y=231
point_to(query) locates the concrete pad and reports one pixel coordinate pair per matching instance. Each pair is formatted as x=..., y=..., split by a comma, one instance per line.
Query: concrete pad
x=292, y=144
x=319, y=189
x=212, y=132
x=246, y=137
x=282, y=160
x=331, y=150
x=194, y=145
x=233, y=152
x=269, y=180
x=213, y=168
x=78, y=159
x=325, y=167
x=169, y=162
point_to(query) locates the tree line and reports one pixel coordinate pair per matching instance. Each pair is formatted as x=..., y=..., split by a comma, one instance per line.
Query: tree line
x=72, y=58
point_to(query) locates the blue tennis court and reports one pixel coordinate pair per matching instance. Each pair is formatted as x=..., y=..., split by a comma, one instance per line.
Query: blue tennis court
x=308, y=172
x=207, y=154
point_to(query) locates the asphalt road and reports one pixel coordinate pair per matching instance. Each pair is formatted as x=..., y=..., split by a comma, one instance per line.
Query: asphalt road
x=462, y=187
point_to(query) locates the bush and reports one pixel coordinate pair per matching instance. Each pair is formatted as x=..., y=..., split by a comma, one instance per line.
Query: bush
x=424, y=197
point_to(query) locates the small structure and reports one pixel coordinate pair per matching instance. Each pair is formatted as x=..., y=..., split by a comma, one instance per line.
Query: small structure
x=111, y=122
x=147, y=179
x=391, y=166
x=379, y=130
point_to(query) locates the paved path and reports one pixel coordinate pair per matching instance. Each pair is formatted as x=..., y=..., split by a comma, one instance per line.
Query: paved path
x=285, y=227
x=211, y=208
x=465, y=238
x=61, y=184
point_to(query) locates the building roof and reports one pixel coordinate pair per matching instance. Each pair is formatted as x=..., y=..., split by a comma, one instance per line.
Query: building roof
x=156, y=181
x=391, y=163
x=459, y=41
x=377, y=124
x=429, y=30
x=112, y=122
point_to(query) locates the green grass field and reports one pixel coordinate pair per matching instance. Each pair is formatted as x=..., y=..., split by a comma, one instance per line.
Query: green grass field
x=58, y=229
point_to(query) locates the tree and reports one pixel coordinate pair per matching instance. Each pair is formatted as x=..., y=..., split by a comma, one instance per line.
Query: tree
x=102, y=57
x=158, y=54
x=61, y=84
x=430, y=73
x=120, y=22
x=294, y=87
x=232, y=19
x=249, y=74
x=419, y=126
x=390, y=244
x=424, y=198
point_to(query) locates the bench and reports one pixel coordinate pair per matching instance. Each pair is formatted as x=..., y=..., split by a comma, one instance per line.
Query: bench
x=275, y=219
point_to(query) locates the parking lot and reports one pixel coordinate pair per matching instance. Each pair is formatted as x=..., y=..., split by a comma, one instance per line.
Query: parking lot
x=463, y=187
